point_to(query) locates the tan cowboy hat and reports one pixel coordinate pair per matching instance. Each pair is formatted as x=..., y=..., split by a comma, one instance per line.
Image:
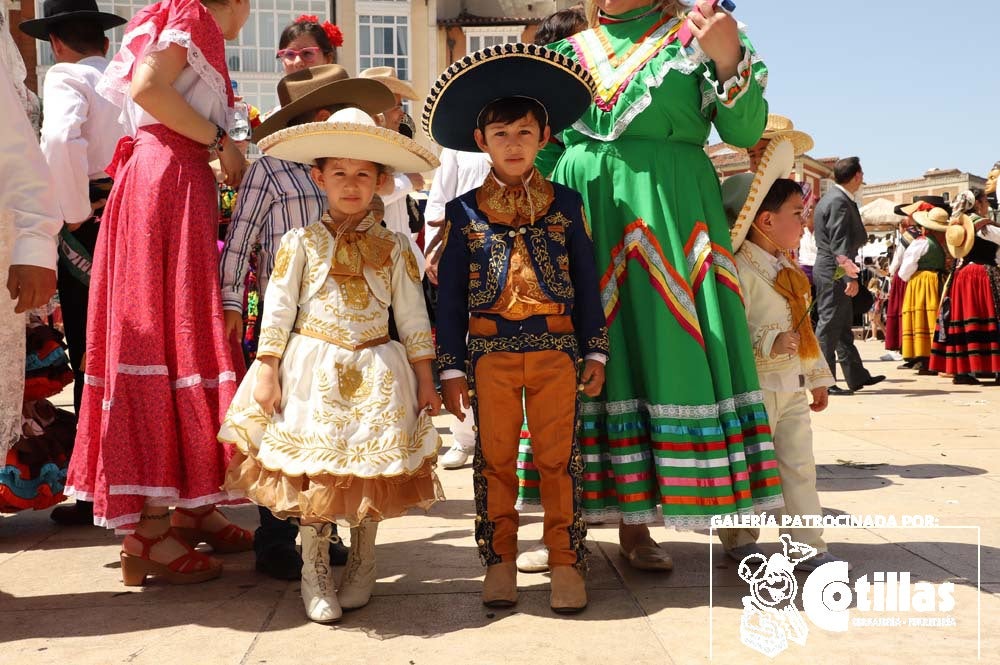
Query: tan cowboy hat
x=960, y=236
x=349, y=134
x=319, y=87
x=935, y=219
x=780, y=127
x=742, y=194
x=387, y=76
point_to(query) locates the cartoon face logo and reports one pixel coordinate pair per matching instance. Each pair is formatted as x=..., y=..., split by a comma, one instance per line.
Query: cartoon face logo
x=770, y=619
x=771, y=580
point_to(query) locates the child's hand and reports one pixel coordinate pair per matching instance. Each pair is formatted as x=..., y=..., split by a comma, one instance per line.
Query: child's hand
x=234, y=325
x=428, y=398
x=456, y=396
x=821, y=397
x=267, y=391
x=786, y=343
x=592, y=378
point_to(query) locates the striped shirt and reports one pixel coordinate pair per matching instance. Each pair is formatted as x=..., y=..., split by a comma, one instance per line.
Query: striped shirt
x=275, y=197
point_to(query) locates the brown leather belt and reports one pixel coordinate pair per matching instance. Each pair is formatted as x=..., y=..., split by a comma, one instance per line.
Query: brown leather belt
x=492, y=325
x=329, y=340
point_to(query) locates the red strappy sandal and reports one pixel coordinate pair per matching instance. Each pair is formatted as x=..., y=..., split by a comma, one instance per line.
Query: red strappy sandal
x=227, y=540
x=189, y=568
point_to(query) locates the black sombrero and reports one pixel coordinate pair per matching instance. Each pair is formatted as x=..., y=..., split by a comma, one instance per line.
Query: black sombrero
x=560, y=85
x=62, y=11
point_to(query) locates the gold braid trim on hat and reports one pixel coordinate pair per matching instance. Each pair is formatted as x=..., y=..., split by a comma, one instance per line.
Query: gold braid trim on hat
x=347, y=129
x=491, y=54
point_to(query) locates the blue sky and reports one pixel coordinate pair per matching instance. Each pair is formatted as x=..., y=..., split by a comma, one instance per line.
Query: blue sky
x=907, y=85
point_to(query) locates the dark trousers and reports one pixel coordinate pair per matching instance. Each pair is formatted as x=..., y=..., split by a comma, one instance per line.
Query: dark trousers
x=73, y=300
x=273, y=533
x=834, y=331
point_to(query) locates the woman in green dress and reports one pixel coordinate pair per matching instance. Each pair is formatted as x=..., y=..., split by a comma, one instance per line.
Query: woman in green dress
x=681, y=433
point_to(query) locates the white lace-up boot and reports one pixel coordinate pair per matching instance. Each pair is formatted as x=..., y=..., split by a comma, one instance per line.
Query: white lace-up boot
x=359, y=575
x=319, y=592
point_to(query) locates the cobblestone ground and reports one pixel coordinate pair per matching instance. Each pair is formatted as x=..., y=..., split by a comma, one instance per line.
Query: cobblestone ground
x=910, y=446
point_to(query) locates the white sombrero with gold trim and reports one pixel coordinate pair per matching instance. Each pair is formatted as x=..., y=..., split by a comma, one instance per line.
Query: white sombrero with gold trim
x=743, y=194
x=349, y=134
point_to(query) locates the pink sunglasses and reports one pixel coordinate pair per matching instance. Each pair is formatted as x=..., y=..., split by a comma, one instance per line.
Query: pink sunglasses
x=308, y=54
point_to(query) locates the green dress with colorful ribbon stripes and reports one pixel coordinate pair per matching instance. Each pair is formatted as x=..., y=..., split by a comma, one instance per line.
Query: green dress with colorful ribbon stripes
x=680, y=432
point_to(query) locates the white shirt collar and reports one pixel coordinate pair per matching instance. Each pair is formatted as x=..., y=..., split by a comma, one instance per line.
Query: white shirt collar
x=524, y=181
x=841, y=188
x=761, y=254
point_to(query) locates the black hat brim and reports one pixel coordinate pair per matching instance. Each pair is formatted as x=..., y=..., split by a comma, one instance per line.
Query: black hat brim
x=39, y=28
x=559, y=84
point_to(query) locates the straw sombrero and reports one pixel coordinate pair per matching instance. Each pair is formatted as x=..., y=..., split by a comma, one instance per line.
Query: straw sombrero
x=742, y=194
x=318, y=87
x=349, y=134
x=387, y=77
x=451, y=113
x=905, y=210
x=935, y=219
x=960, y=236
x=779, y=127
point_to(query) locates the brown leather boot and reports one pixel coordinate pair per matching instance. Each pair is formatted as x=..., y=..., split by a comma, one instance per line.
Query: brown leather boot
x=500, y=585
x=569, y=590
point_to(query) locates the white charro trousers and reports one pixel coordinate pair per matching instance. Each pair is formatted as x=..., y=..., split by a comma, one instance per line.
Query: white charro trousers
x=789, y=416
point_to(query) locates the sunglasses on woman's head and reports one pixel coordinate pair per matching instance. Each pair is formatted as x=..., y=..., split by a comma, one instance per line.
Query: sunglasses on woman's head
x=308, y=54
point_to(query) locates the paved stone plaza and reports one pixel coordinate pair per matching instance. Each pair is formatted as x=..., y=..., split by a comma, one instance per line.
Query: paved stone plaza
x=910, y=446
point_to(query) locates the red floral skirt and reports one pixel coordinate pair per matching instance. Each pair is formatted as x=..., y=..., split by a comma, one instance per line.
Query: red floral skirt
x=160, y=372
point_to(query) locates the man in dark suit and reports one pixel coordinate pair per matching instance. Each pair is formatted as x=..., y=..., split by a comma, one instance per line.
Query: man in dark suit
x=840, y=232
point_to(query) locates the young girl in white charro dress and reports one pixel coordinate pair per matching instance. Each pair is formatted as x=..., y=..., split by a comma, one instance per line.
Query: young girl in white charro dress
x=333, y=421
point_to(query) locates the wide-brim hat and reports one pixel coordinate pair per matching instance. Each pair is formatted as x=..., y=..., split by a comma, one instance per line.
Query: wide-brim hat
x=349, y=134
x=779, y=127
x=560, y=85
x=935, y=219
x=743, y=194
x=387, y=77
x=321, y=86
x=907, y=209
x=960, y=236
x=62, y=11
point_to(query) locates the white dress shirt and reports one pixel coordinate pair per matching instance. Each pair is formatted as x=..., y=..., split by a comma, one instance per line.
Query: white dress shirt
x=807, y=249
x=911, y=259
x=397, y=218
x=27, y=193
x=79, y=133
x=460, y=172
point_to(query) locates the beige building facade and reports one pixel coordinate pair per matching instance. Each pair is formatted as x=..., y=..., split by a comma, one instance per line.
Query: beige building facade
x=947, y=183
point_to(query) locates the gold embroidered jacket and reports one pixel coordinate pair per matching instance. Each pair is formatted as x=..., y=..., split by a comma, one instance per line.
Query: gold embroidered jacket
x=340, y=289
x=484, y=228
